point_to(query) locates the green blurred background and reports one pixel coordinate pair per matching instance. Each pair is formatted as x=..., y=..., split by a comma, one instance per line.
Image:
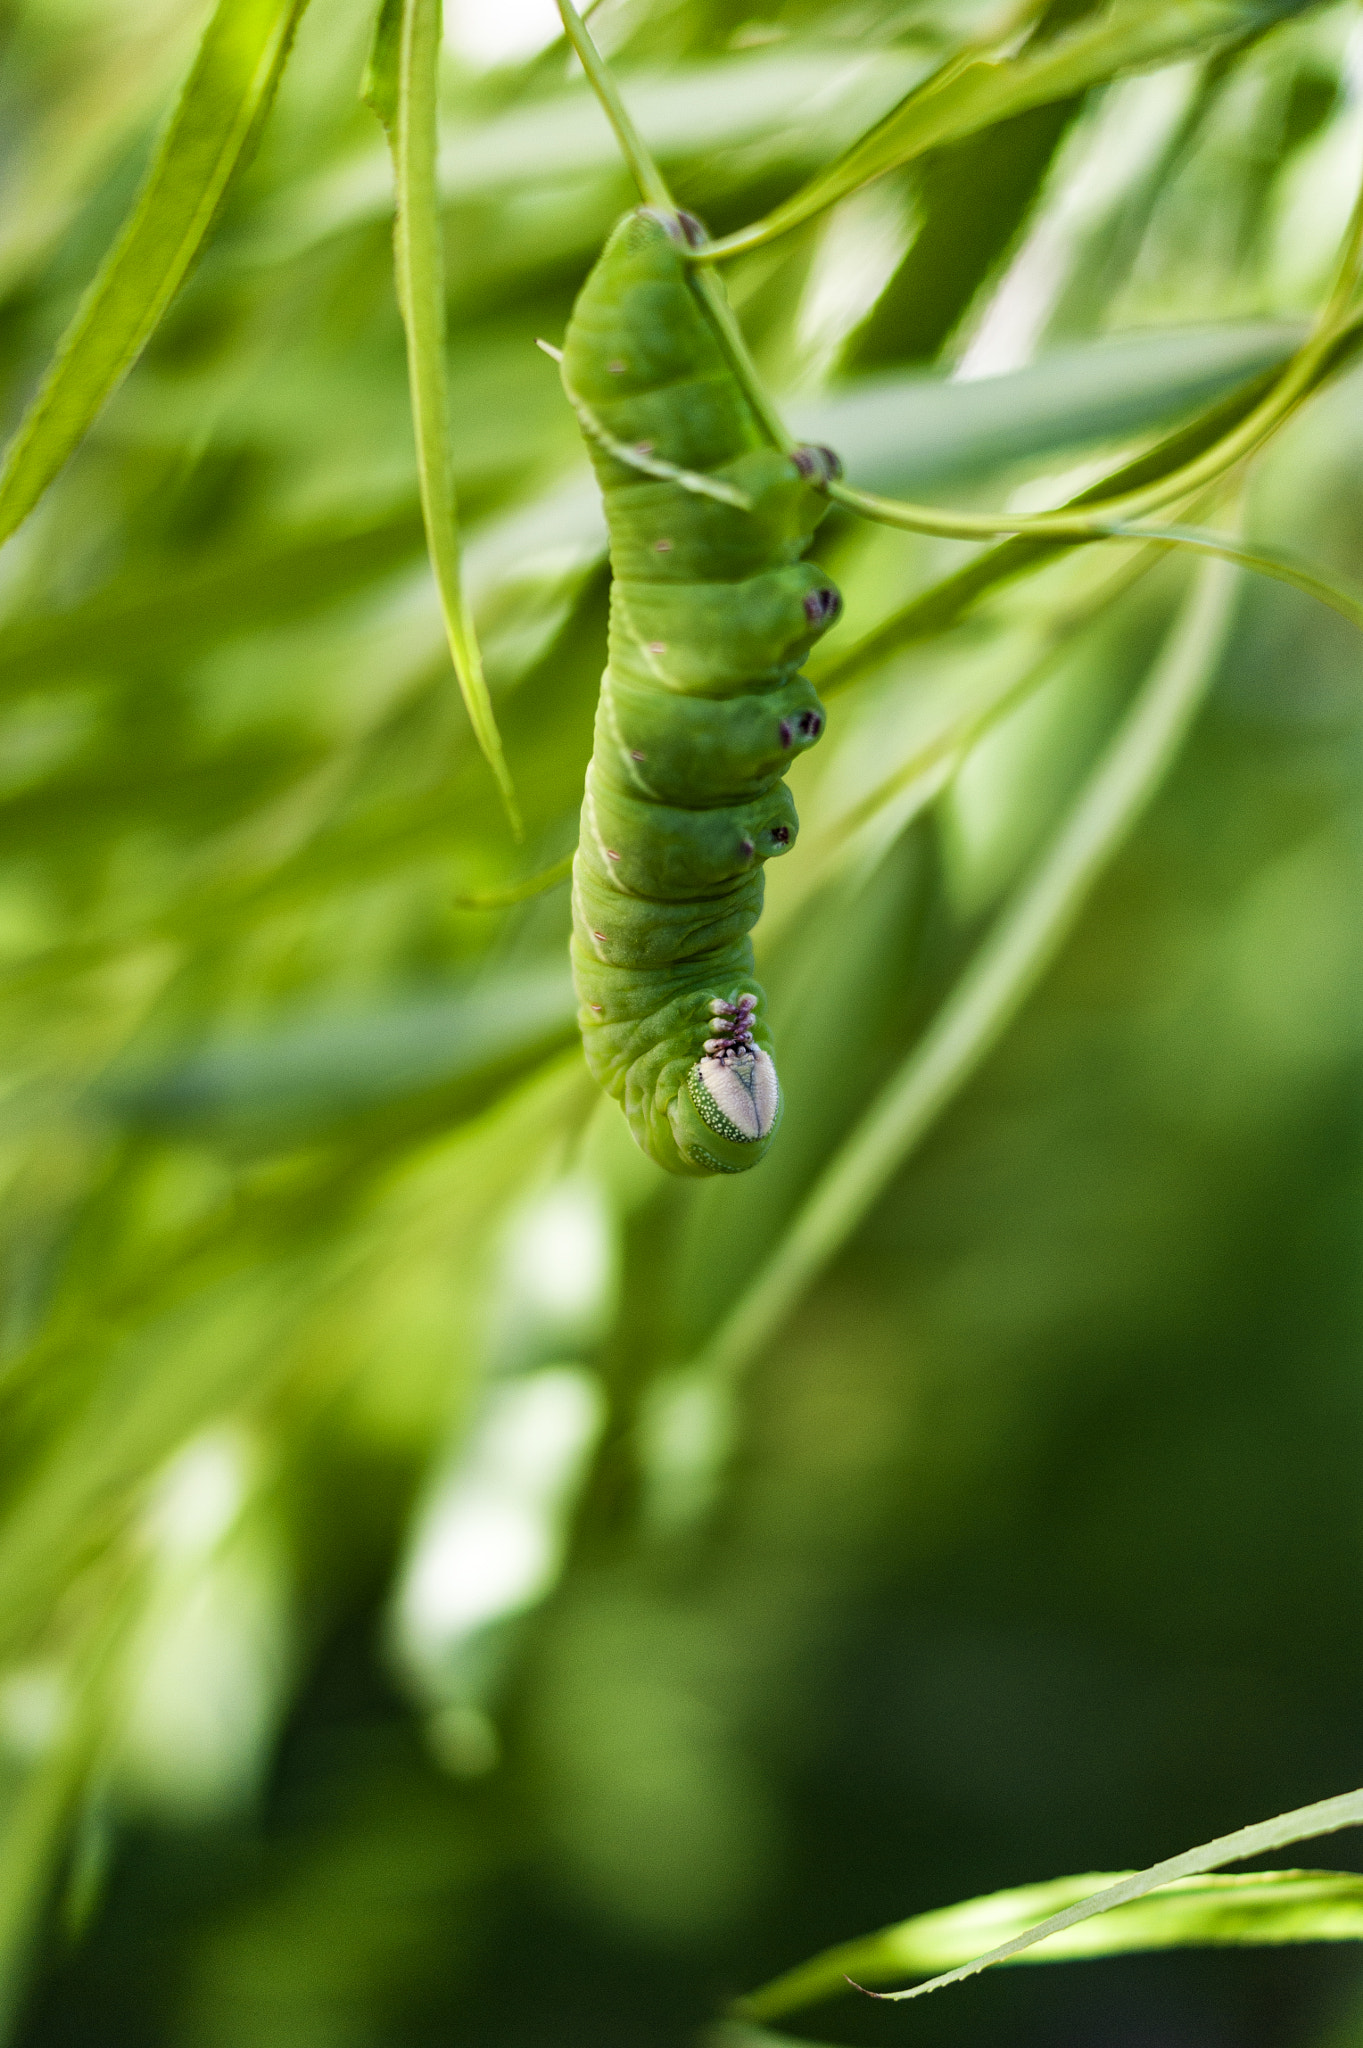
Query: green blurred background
x=397, y=1650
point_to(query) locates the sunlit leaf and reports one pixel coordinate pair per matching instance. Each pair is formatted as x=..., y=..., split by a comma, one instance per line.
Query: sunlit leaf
x=1267, y=1907
x=1123, y=37
x=211, y=134
x=402, y=89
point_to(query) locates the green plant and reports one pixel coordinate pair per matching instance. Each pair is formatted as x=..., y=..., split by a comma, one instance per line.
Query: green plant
x=310, y=1207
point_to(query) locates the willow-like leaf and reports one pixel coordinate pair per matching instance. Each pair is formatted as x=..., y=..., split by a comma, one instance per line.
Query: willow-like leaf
x=401, y=87
x=1304, y=1824
x=946, y=603
x=1283, y=568
x=1262, y=1907
x=962, y=99
x=212, y=132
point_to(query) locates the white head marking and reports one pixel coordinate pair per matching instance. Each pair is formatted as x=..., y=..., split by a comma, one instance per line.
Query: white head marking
x=743, y=1088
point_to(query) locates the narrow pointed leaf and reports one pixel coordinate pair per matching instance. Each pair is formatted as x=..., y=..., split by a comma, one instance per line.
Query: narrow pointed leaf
x=1283, y=568
x=1325, y=1817
x=963, y=99
x=1264, y=1907
x=212, y=132
x=401, y=87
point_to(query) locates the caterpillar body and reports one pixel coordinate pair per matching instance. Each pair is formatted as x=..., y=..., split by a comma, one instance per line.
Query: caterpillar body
x=702, y=705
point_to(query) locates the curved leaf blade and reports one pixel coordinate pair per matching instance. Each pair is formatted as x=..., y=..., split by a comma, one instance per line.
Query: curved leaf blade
x=1324, y=1817
x=212, y=132
x=401, y=87
x=1263, y=561
x=1262, y=1907
x=964, y=98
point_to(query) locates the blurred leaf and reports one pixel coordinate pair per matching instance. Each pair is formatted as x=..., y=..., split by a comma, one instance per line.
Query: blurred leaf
x=909, y=428
x=312, y=1073
x=1128, y=35
x=272, y=580
x=972, y=197
x=215, y=127
x=789, y=104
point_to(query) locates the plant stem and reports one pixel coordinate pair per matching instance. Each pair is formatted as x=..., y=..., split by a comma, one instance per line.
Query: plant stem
x=653, y=189
x=1005, y=970
x=647, y=176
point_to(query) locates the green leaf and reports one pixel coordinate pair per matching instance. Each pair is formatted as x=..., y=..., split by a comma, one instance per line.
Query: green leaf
x=212, y=133
x=310, y=1072
x=1265, y=1906
x=689, y=111
x=964, y=98
x=944, y=604
x=904, y=430
x=1283, y=568
x=276, y=578
x=1301, y=1905
x=401, y=87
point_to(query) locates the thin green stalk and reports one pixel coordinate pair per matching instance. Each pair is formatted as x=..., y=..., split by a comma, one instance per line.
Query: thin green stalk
x=652, y=185
x=794, y=213
x=1005, y=970
x=654, y=191
x=402, y=88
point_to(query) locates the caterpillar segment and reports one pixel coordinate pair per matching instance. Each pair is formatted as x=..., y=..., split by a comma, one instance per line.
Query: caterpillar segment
x=702, y=706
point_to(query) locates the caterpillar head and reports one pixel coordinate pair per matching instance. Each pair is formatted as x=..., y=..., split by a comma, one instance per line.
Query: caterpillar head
x=731, y=1104
x=738, y=1098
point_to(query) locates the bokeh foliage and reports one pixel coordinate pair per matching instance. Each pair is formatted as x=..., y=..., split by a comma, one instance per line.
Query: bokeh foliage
x=400, y=1643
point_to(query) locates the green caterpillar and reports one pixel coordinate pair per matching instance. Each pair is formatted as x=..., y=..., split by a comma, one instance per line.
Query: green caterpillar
x=702, y=705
